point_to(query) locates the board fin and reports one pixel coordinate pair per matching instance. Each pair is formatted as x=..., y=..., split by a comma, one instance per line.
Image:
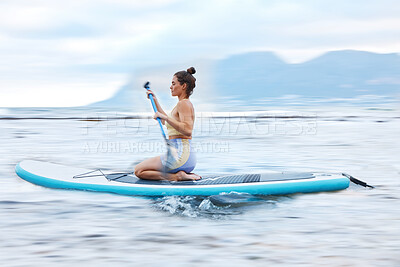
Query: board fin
x=357, y=181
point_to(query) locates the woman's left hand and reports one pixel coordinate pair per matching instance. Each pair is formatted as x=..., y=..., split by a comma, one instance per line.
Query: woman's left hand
x=161, y=116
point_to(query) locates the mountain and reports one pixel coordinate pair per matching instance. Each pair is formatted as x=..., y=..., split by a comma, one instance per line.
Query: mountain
x=335, y=74
x=256, y=75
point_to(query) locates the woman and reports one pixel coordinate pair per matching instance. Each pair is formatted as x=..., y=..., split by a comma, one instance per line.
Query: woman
x=179, y=127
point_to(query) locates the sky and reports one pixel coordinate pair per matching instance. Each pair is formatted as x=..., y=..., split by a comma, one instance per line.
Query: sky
x=71, y=53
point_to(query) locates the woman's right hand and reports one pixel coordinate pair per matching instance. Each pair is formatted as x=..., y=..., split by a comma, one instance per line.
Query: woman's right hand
x=163, y=117
x=150, y=92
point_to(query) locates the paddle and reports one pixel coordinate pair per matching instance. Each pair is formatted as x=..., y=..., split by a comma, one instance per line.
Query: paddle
x=171, y=151
x=147, y=86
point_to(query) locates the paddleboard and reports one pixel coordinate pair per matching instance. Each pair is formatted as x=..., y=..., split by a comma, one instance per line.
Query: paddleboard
x=58, y=176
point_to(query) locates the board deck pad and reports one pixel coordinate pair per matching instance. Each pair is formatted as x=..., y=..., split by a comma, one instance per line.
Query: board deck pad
x=59, y=176
x=219, y=179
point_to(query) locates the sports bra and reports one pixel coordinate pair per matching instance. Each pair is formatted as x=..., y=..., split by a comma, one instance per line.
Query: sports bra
x=171, y=131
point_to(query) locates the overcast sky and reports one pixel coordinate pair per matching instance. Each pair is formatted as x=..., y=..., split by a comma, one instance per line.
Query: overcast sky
x=68, y=53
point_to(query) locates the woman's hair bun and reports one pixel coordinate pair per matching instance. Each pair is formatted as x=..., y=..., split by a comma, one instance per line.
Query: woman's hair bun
x=191, y=70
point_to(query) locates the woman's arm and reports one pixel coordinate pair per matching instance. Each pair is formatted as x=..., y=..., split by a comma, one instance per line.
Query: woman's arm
x=186, y=118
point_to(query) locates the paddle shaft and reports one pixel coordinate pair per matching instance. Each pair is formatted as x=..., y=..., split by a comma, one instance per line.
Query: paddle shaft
x=155, y=110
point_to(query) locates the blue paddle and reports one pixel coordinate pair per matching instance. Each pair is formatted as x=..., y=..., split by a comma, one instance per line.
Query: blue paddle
x=147, y=86
x=170, y=155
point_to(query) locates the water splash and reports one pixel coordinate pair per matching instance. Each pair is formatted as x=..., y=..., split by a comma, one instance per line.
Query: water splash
x=215, y=207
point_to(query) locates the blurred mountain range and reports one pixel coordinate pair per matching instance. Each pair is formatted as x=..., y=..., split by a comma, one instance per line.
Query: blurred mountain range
x=336, y=74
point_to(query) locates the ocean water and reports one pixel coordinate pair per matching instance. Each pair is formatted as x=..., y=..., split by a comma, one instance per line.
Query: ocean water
x=352, y=227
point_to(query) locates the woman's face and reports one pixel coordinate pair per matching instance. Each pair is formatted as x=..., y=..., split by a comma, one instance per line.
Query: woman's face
x=176, y=88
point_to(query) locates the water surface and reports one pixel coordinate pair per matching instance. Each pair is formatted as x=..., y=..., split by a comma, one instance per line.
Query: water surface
x=356, y=226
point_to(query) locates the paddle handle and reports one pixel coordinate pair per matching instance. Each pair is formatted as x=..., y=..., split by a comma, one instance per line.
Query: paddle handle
x=147, y=86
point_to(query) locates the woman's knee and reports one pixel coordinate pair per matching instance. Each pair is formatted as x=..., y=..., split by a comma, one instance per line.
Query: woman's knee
x=148, y=164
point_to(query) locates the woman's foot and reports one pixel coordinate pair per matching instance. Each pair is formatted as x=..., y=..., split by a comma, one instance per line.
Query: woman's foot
x=183, y=176
x=198, y=177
